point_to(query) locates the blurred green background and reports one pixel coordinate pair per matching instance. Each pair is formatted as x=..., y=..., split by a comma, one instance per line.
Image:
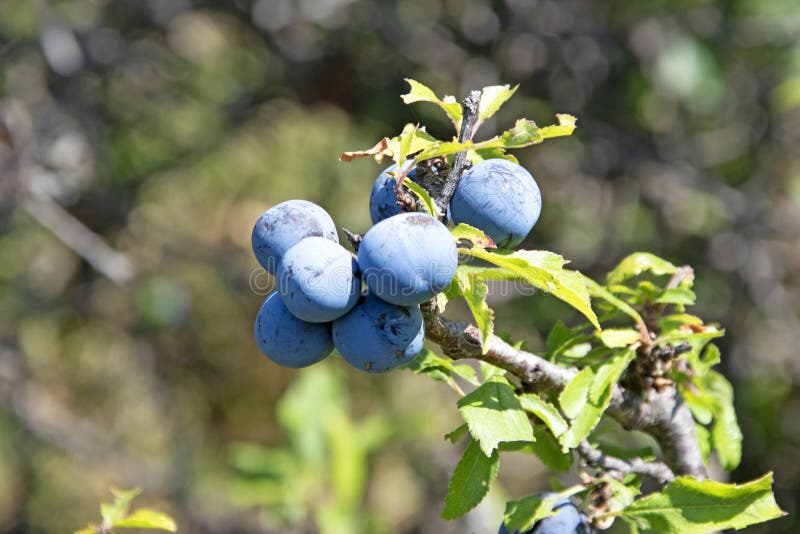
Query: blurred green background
x=139, y=140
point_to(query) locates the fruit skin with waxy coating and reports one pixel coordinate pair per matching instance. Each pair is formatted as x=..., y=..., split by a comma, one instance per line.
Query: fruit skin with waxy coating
x=499, y=197
x=283, y=226
x=318, y=280
x=383, y=198
x=287, y=340
x=377, y=336
x=407, y=259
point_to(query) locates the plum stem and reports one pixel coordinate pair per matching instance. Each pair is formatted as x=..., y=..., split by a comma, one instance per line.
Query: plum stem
x=354, y=238
x=469, y=120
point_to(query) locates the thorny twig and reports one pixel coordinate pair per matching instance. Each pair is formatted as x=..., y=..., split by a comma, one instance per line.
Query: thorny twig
x=470, y=118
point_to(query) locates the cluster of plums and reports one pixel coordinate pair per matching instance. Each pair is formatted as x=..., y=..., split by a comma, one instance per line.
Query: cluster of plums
x=567, y=520
x=367, y=307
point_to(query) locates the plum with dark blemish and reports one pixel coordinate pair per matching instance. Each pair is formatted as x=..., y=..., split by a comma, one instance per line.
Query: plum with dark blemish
x=317, y=280
x=499, y=197
x=283, y=226
x=407, y=259
x=377, y=336
x=383, y=198
x=287, y=340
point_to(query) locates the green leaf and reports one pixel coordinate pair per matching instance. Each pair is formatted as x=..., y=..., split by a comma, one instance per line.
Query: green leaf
x=473, y=235
x=443, y=148
x=471, y=481
x=622, y=494
x=559, y=335
x=608, y=374
x=544, y=270
x=598, y=291
x=688, y=505
x=545, y=411
x=573, y=397
x=587, y=396
x=576, y=351
x=636, y=264
x=442, y=299
x=457, y=433
x=566, y=125
x=548, y=450
x=423, y=195
x=440, y=369
x=494, y=414
x=492, y=98
x=89, y=529
x=678, y=320
x=113, y=512
x=477, y=156
x=525, y=133
x=146, y=518
x=677, y=295
x=725, y=432
x=567, y=344
x=475, y=291
x=703, y=440
x=709, y=359
x=401, y=145
x=702, y=405
x=703, y=333
x=491, y=372
x=647, y=292
x=522, y=514
x=420, y=93
x=619, y=337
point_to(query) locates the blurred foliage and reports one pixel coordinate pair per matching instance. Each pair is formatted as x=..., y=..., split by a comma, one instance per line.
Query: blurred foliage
x=166, y=126
x=117, y=515
x=324, y=467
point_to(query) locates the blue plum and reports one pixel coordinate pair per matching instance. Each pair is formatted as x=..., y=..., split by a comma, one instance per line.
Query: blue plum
x=499, y=197
x=318, y=280
x=567, y=520
x=383, y=199
x=288, y=341
x=283, y=226
x=408, y=258
x=377, y=336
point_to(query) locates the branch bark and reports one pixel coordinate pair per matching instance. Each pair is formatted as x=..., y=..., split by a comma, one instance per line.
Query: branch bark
x=661, y=413
x=664, y=415
x=468, y=121
x=596, y=458
x=462, y=340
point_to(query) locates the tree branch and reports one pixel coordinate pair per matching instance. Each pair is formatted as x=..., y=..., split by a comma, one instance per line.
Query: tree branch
x=112, y=264
x=664, y=415
x=661, y=413
x=463, y=340
x=468, y=121
x=596, y=458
